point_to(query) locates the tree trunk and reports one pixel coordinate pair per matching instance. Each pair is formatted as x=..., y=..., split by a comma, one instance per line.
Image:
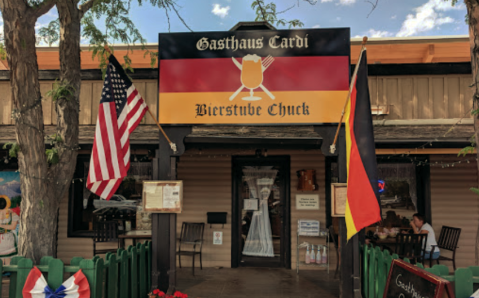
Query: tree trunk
x=473, y=17
x=19, y=24
x=43, y=186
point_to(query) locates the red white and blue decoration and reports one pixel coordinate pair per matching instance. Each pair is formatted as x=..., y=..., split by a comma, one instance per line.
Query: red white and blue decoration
x=75, y=287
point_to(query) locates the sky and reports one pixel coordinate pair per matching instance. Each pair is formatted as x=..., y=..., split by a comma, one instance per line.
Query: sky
x=391, y=18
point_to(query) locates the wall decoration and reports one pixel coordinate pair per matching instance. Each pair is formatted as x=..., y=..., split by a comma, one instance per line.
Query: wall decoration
x=10, y=198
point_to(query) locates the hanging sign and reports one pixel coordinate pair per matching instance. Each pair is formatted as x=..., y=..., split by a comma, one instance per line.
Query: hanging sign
x=217, y=238
x=253, y=76
x=408, y=281
x=163, y=196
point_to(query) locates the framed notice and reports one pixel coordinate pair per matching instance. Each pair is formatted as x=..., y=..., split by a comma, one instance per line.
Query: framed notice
x=339, y=198
x=307, y=202
x=163, y=196
x=308, y=227
x=406, y=280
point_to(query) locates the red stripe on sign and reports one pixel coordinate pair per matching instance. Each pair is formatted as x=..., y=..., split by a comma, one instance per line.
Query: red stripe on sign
x=325, y=73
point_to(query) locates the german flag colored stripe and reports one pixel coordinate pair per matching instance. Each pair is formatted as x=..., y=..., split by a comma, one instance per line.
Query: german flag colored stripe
x=284, y=74
x=289, y=106
x=363, y=207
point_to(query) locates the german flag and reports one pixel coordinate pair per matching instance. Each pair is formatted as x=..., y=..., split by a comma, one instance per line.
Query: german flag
x=363, y=207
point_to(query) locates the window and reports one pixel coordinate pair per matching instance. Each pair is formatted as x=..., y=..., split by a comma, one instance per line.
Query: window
x=86, y=207
x=405, y=186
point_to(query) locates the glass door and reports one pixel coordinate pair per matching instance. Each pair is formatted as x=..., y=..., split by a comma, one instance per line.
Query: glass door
x=261, y=201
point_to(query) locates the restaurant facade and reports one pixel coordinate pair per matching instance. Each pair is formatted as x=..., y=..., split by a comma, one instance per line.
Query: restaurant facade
x=420, y=100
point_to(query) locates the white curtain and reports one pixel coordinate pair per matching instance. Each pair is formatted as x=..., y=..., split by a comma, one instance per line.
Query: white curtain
x=259, y=241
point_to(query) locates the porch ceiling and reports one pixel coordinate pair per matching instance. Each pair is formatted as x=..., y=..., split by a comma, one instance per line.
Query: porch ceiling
x=148, y=134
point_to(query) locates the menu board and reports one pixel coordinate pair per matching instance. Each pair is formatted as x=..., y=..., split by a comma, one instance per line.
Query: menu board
x=339, y=197
x=163, y=196
x=408, y=281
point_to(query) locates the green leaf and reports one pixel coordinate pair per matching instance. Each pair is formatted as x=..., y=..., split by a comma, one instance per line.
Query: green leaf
x=61, y=90
x=474, y=190
x=466, y=150
x=14, y=149
x=52, y=156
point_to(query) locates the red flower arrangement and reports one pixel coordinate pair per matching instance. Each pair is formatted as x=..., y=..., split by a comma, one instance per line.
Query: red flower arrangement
x=158, y=293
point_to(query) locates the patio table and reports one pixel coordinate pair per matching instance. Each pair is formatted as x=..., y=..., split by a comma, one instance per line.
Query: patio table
x=134, y=236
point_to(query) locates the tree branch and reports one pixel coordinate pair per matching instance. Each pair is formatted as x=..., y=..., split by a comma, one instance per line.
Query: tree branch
x=86, y=6
x=43, y=8
x=374, y=6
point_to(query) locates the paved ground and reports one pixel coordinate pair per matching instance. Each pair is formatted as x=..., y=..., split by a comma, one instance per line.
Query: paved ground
x=257, y=282
x=249, y=283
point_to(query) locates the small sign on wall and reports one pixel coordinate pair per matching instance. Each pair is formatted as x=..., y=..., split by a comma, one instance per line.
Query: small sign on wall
x=217, y=238
x=307, y=202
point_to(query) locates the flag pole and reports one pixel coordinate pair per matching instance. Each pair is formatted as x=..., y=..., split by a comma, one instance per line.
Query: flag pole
x=332, y=148
x=172, y=145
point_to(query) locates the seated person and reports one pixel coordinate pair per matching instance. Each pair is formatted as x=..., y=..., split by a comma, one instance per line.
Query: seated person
x=419, y=226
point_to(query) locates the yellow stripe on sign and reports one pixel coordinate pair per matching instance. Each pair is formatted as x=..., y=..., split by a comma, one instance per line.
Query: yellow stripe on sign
x=216, y=108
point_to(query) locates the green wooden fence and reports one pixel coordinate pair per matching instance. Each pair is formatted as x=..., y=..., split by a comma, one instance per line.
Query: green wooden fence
x=375, y=267
x=125, y=274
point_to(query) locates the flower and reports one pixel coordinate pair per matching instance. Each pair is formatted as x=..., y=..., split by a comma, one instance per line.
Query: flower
x=178, y=294
x=156, y=291
x=161, y=294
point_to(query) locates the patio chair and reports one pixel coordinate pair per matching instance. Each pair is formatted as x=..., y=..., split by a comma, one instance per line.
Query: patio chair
x=191, y=234
x=411, y=246
x=105, y=232
x=335, y=238
x=448, y=239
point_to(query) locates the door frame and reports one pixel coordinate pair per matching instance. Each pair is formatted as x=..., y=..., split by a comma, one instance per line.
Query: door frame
x=239, y=161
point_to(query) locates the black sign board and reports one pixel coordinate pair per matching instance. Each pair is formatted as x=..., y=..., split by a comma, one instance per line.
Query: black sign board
x=408, y=281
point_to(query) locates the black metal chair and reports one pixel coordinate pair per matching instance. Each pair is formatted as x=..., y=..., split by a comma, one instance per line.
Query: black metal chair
x=191, y=235
x=105, y=232
x=448, y=239
x=335, y=238
x=411, y=246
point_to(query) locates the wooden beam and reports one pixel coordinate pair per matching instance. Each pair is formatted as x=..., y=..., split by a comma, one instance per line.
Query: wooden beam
x=429, y=55
x=387, y=151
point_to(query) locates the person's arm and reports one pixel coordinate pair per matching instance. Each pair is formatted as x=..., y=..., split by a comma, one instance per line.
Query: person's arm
x=416, y=230
x=11, y=226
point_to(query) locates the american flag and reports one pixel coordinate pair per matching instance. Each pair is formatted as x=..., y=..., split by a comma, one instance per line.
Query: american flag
x=121, y=110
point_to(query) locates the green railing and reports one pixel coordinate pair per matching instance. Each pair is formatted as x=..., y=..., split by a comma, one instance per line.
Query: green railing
x=124, y=274
x=375, y=267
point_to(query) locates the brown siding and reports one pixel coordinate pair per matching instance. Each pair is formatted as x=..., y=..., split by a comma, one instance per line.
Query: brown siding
x=408, y=97
x=453, y=204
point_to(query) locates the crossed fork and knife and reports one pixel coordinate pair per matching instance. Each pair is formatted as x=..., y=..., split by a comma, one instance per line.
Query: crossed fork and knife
x=265, y=63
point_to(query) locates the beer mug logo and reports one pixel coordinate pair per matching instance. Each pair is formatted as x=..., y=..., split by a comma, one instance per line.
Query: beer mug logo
x=252, y=70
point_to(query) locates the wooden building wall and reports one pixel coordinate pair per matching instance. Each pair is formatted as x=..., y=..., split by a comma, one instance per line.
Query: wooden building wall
x=207, y=188
x=454, y=205
x=408, y=97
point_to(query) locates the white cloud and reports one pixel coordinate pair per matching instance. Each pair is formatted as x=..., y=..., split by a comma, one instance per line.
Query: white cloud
x=427, y=17
x=394, y=17
x=323, y=1
x=347, y=2
x=338, y=19
x=220, y=11
x=378, y=33
x=317, y=26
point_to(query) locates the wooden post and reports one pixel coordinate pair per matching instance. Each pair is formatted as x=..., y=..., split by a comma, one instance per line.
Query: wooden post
x=163, y=232
x=346, y=252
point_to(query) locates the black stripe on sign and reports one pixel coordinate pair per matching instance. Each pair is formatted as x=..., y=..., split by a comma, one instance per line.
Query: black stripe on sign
x=277, y=43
